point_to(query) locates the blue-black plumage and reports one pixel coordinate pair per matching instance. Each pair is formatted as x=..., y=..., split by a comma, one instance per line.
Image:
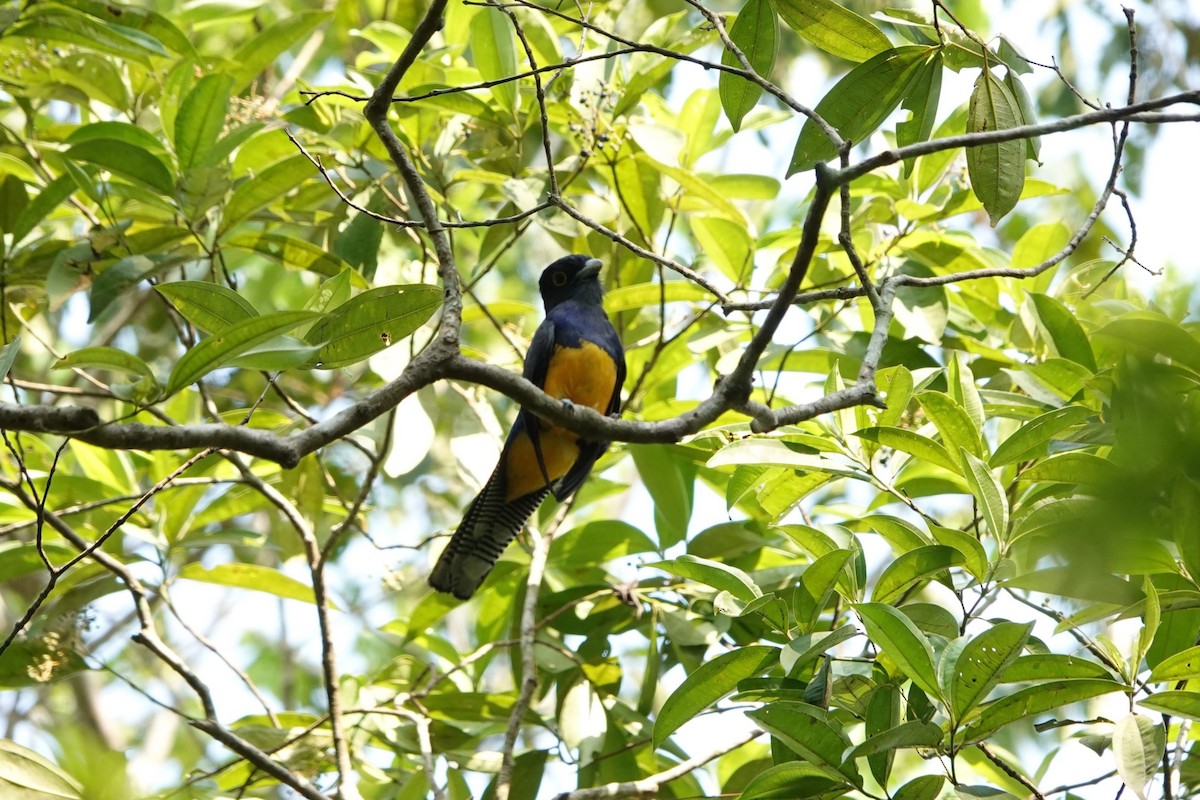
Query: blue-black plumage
x=577, y=357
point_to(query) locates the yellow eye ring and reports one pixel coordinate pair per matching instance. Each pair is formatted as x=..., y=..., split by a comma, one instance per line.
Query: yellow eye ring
x=559, y=279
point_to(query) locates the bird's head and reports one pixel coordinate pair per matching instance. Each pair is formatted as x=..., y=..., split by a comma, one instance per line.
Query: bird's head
x=572, y=277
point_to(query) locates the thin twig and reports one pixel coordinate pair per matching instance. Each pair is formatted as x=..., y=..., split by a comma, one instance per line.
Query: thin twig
x=1008, y=770
x=650, y=785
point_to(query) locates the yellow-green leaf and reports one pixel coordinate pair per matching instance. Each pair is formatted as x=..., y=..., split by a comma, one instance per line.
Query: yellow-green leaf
x=709, y=683
x=250, y=576
x=218, y=350
x=264, y=188
x=209, y=306
x=370, y=322
x=833, y=28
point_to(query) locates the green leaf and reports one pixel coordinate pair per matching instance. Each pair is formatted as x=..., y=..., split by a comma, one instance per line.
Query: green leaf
x=922, y=100
x=1154, y=334
x=250, y=576
x=218, y=350
x=120, y=131
x=1151, y=617
x=756, y=34
x=1175, y=703
x=980, y=665
x=709, y=683
x=1185, y=520
x=790, y=780
x=671, y=483
x=261, y=50
x=803, y=729
x=1038, y=244
x=1031, y=439
x=1098, y=587
x=883, y=713
x=118, y=279
x=1078, y=468
x=58, y=23
x=1138, y=743
x=913, y=733
x=1070, y=340
x=975, y=558
x=18, y=559
x=1035, y=700
x=916, y=445
x=264, y=188
x=127, y=160
x=1182, y=666
x=150, y=23
x=695, y=185
x=48, y=198
x=816, y=584
x=290, y=252
x=712, y=573
x=1033, y=145
x=915, y=566
x=952, y=421
x=764, y=451
x=277, y=354
x=727, y=243
x=641, y=193
x=997, y=170
x=989, y=494
x=495, y=53
x=1052, y=666
x=963, y=390
x=640, y=295
x=27, y=775
x=802, y=649
x=109, y=358
x=594, y=543
x=899, y=638
x=209, y=306
x=13, y=200
x=901, y=534
x=745, y=186
x=200, y=119
x=8, y=354
x=899, y=391
x=836, y=30
x=858, y=103
x=371, y=322
x=926, y=787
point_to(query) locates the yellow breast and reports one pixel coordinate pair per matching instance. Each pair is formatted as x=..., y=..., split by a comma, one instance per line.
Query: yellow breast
x=584, y=375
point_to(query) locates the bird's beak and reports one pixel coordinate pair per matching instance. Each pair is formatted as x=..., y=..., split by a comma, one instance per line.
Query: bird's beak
x=591, y=269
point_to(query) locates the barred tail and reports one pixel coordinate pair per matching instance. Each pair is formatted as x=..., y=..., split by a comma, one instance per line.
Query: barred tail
x=489, y=525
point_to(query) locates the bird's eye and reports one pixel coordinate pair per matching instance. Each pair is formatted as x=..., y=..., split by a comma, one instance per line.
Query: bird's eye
x=559, y=279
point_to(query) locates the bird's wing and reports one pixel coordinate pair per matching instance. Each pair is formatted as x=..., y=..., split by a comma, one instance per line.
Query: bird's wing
x=537, y=361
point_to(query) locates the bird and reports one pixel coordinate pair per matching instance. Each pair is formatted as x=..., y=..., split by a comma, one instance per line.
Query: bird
x=575, y=356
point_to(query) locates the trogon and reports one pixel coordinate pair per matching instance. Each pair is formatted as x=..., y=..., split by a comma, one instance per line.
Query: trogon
x=575, y=356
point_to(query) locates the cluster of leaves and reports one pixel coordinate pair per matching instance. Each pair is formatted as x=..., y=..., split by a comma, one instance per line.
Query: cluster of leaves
x=864, y=600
